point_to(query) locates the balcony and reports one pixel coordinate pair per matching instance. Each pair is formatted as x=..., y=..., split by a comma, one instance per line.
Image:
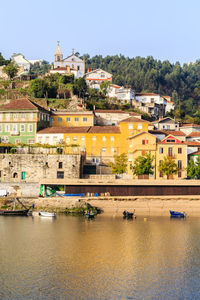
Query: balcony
x=14, y=133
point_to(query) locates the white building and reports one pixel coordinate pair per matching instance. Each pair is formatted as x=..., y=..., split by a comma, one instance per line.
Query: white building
x=189, y=128
x=151, y=103
x=76, y=64
x=122, y=94
x=95, y=78
x=20, y=61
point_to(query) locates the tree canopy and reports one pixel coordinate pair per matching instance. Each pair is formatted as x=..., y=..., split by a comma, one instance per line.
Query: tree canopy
x=143, y=165
x=193, y=168
x=168, y=166
x=120, y=164
x=11, y=70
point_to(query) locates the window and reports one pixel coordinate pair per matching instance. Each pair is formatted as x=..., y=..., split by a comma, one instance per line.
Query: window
x=22, y=127
x=7, y=116
x=30, y=127
x=74, y=138
x=15, y=175
x=23, y=116
x=23, y=175
x=14, y=116
x=130, y=126
x=102, y=75
x=14, y=127
x=67, y=119
x=82, y=138
x=103, y=138
x=60, y=174
x=59, y=120
x=170, y=141
x=179, y=150
x=168, y=126
x=160, y=150
x=112, y=149
x=47, y=139
x=103, y=149
x=7, y=128
x=170, y=151
x=152, y=100
x=60, y=165
x=84, y=119
x=31, y=141
x=94, y=138
x=31, y=116
x=139, y=126
x=143, y=142
x=78, y=68
x=179, y=164
x=76, y=119
x=67, y=139
x=163, y=126
x=112, y=138
x=179, y=174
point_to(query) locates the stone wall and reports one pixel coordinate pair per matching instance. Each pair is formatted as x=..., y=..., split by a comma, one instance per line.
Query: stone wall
x=21, y=189
x=32, y=168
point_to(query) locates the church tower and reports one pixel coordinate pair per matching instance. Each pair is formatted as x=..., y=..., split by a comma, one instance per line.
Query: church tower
x=58, y=56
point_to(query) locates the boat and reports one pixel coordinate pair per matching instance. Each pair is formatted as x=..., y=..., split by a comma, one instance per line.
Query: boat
x=14, y=211
x=47, y=214
x=90, y=215
x=176, y=214
x=128, y=215
x=19, y=212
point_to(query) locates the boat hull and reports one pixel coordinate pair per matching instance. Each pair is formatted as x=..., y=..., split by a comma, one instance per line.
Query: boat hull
x=47, y=214
x=22, y=212
x=176, y=214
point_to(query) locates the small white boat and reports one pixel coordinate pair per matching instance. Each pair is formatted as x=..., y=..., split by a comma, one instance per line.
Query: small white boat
x=47, y=214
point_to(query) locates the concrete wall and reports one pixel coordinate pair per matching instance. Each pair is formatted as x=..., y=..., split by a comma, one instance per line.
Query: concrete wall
x=23, y=189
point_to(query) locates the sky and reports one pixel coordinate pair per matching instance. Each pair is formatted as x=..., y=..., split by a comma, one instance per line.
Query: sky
x=164, y=29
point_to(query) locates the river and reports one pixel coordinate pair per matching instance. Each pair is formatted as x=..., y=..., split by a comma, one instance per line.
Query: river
x=106, y=258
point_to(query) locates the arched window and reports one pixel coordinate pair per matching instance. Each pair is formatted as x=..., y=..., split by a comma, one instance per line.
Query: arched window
x=58, y=58
x=15, y=175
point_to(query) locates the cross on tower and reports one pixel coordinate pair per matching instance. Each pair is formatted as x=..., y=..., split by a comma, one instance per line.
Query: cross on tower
x=58, y=42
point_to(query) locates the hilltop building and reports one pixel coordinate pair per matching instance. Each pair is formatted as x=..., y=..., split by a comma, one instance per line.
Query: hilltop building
x=72, y=64
x=94, y=78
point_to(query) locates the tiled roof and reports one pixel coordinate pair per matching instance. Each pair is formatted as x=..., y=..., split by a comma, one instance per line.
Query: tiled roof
x=192, y=143
x=174, y=132
x=72, y=113
x=190, y=125
x=195, y=153
x=104, y=129
x=133, y=120
x=146, y=94
x=158, y=132
x=21, y=104
x=64, y=130
x=193, y=134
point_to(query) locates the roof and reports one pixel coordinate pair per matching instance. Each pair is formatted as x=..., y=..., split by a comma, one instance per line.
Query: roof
x=64, y=130
x=71, y=113
x=133, y=120
x=146, y=94
x=190, y=125
x=104, y=129
x=160, y=120
x=133, y=136
x=60, y=69
x=192, y=143
x=193, y=134
x=106, y=111
x=195, y=153
x=174, y=132
x=93, y=71
x=21, y=104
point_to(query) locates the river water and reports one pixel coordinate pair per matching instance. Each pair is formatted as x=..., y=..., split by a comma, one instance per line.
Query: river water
x=106, y=258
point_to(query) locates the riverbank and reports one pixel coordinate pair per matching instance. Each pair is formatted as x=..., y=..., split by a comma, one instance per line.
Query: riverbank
x=144, y=206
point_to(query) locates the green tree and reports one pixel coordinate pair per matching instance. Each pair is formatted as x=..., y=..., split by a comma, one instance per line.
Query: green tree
x=3, y=61
x=11, y=70
x=104, y=87
x=120, y=164
x=38, y=88
x=168, y=166
x=80, y=87
x=143, y=165
x=191, y=169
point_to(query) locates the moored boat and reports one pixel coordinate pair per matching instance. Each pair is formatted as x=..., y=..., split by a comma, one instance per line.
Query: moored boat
x=177, y=214
x=47, y=214
x=22, y=212
x=90, y=215
x=128, y=215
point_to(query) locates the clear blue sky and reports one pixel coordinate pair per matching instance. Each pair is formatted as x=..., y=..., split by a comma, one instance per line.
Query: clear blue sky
x=165, y=29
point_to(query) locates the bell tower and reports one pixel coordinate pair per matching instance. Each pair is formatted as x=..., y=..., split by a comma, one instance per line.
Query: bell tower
x=58, y=56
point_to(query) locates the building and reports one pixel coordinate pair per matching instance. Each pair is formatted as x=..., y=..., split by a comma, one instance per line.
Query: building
x=20, y=119
x=169, y=105
x=20, y=61
x=69, y=118
x=171, y=146
x=166, y=123
x=123, y=95
x=112, y=117
x=72, y=62
x=151, y=103
x=189, y=128
x=193, y=136
x=95, y=78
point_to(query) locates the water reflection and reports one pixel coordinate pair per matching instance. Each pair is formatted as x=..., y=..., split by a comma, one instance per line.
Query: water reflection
x=105, y=258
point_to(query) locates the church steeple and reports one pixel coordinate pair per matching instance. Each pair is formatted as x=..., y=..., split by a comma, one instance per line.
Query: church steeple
x=58, y=56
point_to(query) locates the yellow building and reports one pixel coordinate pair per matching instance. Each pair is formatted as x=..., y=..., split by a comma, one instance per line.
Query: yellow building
x=63, y=118
x=171, y=146
x=140, y=144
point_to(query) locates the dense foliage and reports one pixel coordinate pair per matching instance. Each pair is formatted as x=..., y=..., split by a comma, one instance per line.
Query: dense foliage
x=168, y=166
x=3, y=61
x=143, y=165
x=151, y=75
x=40, y=68
x=193, y=168
x=120, y=164
x=11, y=70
